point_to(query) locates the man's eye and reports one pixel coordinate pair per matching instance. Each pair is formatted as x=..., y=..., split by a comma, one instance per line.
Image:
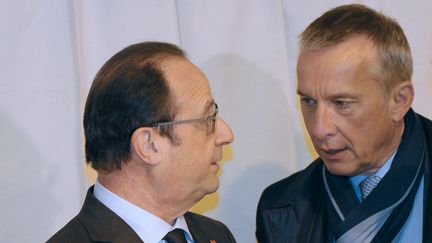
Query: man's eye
x=308, y=101
x=342, y=103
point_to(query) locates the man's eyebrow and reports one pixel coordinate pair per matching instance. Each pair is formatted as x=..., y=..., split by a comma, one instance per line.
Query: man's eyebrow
x=343, y=96
x=332, y=96
x=208, y=106
x=301, y=93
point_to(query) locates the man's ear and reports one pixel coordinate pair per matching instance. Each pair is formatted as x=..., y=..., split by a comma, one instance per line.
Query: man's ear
x=144, y=143
x=402, y=98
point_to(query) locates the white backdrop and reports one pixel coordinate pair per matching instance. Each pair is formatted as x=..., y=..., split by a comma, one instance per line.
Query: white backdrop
x=51, y=49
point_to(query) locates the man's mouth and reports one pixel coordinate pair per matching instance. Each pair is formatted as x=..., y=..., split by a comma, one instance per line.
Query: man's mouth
x=331, y=153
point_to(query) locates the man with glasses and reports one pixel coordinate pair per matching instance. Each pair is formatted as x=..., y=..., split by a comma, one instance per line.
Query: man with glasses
x=153, y=135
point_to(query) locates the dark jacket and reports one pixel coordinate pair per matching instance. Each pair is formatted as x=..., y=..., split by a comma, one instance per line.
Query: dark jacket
x=97, y=223
x=294, y=209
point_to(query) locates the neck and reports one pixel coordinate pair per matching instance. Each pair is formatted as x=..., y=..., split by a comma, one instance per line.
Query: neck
x=395, y=141
x=136, y=189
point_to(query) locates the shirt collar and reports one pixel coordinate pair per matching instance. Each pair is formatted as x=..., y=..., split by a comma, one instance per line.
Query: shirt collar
x=356, y=180
x=149, y=227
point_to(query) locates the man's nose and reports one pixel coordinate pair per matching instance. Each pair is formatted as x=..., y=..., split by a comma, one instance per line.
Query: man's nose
x=322, y=126
x=224, y=134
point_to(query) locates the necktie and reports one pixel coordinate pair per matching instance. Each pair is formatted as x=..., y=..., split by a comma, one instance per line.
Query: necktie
x=368, y=184
x=175, y=236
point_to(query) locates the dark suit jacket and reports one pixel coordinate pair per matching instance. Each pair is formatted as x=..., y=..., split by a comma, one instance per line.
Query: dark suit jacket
x=97, y=223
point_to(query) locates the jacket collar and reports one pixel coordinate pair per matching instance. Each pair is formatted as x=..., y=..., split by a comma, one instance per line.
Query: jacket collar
x=198, y=235
x=104, y=225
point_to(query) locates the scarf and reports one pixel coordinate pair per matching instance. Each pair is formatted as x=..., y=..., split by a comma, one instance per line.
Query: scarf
x=382, y=215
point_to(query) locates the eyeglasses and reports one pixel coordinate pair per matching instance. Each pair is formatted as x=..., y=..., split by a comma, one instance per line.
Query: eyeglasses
x=211, y=120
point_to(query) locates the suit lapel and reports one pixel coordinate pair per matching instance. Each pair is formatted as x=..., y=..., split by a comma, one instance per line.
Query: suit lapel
x=198, y=235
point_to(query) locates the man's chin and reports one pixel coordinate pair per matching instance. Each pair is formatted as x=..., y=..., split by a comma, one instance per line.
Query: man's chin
x=339, y=169
x=214, y=186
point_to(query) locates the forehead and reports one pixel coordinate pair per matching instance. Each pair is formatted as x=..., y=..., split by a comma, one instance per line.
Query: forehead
x=188, y=83
x=336, y=67
x=354, y=50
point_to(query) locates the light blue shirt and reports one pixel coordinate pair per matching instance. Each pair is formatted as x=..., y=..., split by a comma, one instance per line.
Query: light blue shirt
x=356, y=180
x=413, y=229
x=150, y=228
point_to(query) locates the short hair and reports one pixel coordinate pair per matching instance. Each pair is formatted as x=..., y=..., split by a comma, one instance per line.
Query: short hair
x=128, y=92
x=394, y=58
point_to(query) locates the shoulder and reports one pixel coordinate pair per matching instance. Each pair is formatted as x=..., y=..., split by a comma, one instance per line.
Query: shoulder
x=291, y=203
x=95, y=223
x=295, y=187
x=73, y=231
x=427, y=130
x=214, y=229
x=427, y=125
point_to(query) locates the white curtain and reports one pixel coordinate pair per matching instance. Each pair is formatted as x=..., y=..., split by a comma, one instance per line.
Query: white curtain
x=50, y=51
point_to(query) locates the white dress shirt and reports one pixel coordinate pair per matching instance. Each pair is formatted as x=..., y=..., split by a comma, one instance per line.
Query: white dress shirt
x=150, y=228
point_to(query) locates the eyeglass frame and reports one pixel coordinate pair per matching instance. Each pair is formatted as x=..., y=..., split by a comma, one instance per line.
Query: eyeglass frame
x=194, y=120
